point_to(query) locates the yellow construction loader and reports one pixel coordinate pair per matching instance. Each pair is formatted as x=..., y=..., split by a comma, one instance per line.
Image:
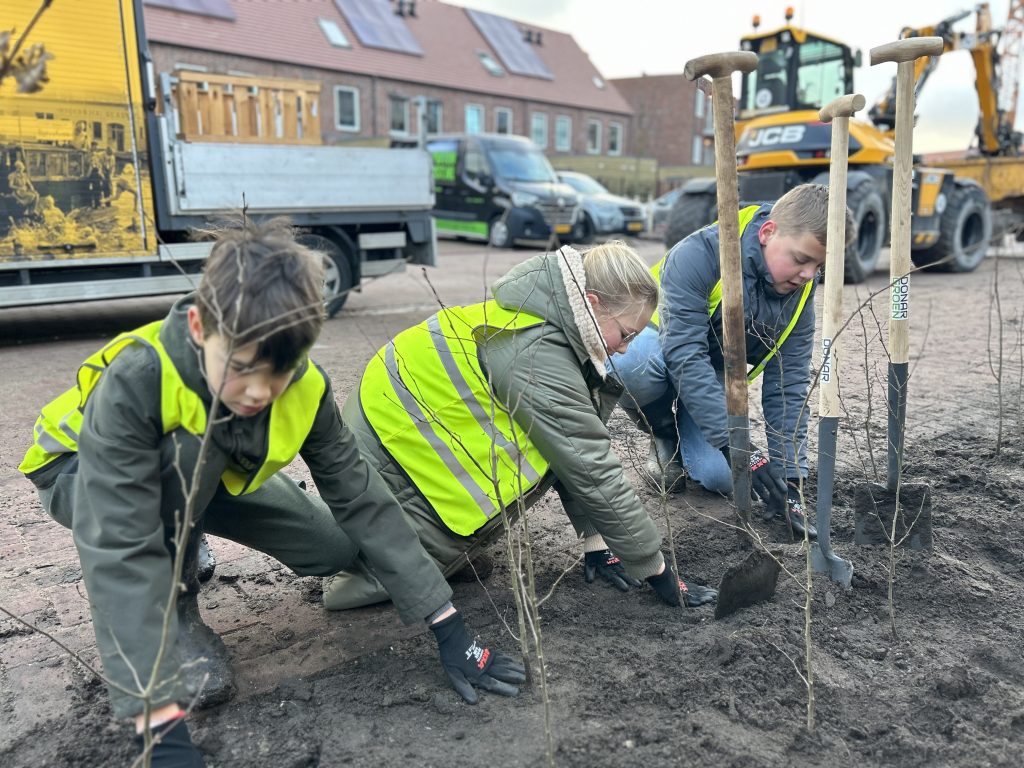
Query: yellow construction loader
x=781, y=143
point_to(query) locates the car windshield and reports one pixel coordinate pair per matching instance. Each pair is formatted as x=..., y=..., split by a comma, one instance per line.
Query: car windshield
x=669, y=198
x=514, y=163
x=585, y=184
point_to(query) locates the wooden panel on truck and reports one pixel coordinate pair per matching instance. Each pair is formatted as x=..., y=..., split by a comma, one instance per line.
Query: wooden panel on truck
x=74, y=168
x=213, y=177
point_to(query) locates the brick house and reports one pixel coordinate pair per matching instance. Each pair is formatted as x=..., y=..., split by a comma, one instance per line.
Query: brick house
x=672, y=124
x=384, y=65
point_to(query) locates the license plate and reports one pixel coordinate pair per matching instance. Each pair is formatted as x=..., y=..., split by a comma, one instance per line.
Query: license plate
x=635, y=226
x=563, y=229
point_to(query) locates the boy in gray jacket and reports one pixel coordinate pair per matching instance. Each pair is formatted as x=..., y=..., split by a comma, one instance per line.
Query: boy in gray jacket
x=677, y=360
x=119, y=457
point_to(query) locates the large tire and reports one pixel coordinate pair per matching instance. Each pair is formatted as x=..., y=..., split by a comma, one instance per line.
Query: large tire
x=690, y=213
x=337, y=271
x=964, y=233
x=868, y=208
x=499, y=235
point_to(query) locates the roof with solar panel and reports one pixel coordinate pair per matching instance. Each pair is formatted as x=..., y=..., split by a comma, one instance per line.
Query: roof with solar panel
x=418, y=41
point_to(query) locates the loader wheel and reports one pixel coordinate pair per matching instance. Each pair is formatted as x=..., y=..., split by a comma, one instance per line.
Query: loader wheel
x=690, y=213
x=337, y=271
x=868, y=208
x=964, y=233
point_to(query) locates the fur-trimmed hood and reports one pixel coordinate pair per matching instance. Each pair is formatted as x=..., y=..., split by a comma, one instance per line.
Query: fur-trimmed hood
x=553, y=286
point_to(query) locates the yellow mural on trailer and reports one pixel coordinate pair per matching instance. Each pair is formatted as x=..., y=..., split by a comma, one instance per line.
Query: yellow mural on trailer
x=74, y=159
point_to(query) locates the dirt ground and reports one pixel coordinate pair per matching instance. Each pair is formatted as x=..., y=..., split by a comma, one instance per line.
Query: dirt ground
x=631, y=682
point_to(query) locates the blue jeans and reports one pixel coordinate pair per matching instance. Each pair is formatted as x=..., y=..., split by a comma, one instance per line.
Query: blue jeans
x=648, y=390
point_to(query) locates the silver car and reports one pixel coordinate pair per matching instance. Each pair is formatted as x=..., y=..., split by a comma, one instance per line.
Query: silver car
x=603, y=212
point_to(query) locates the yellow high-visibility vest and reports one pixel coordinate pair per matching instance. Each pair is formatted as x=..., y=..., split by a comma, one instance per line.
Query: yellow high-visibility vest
x=715, y=299
x=291, y=415
x=429, y=402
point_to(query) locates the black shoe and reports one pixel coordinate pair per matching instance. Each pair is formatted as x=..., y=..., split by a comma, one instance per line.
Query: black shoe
x=206, y=561
x=197, y=641
x=664, y=469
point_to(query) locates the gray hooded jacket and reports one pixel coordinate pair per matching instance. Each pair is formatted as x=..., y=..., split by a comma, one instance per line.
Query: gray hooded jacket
x=691, y=341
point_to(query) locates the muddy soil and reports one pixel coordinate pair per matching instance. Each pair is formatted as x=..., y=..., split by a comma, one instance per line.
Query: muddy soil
x=634, y=683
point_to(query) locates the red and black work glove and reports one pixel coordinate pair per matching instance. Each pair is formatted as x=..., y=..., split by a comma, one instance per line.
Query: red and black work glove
x=175, y=748
x=670, y=589
x=793, y=514
x=470, y=663
x=605, y=564
x=767, y=479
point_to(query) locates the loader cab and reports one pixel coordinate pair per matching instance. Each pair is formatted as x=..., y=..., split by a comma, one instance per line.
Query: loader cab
x=796, y=70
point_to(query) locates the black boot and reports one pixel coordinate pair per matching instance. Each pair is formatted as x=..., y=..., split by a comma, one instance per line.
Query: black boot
x=664, y=468
x=206, y=561
x=209, y=671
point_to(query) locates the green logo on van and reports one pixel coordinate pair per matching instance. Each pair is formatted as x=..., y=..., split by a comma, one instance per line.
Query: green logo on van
x=444, y=166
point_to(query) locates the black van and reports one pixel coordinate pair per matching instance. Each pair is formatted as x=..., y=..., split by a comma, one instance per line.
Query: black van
x=498, y=188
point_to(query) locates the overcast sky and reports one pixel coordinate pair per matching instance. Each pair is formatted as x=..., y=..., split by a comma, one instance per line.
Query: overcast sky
x=655, y=37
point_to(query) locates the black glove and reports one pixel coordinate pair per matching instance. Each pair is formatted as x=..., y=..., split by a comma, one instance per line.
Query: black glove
x=175, y=749
x=767, y=480
x=469, y=663
x=669, y=589
x=793, y=513
x=605, y=564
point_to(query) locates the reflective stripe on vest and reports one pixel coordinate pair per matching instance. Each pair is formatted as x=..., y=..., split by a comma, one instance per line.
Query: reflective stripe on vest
x=715, y=299
x=291, y=415
x=429, y=402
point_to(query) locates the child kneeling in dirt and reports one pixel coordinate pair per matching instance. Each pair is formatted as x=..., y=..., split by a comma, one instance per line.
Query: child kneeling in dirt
x=678, y=360
x=481, y=409
x=115, y=454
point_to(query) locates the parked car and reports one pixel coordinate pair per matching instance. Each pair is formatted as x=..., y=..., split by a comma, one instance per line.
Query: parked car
x=500, y=189
x=658, y=211
x=603, y=212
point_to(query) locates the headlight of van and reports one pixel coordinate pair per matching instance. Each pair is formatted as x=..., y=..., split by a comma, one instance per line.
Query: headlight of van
x=524, y=199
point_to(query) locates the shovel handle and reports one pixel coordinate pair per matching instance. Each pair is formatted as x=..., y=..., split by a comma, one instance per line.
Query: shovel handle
x=906, y=50
x=718, y=65
x=844, y=106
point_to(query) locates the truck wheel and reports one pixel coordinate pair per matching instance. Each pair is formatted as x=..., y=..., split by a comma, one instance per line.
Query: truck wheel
x=690, y=213
x=499, y=236
x=337, y=271
x=868, y=208
x=964, y=233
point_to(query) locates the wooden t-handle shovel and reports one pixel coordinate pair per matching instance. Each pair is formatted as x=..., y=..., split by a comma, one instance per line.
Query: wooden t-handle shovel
x=720, y=67
x=838, y=112
x=754, y=579
x=874, y=506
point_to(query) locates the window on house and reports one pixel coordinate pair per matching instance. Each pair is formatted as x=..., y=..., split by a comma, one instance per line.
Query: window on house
x=502, y=120
x=398, y=108
x=614, y=138
x=474, y=118
x=435, y=116
x=490, y=64
x=563, y=133
x=539, y=129
x=346, y=108
x=699, y=103
x=333, y=33
x=593, y=137
x=698, y=150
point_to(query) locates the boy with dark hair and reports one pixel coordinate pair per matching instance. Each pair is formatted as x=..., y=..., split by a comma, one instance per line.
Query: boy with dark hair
x=119, y=456
x=673, y=372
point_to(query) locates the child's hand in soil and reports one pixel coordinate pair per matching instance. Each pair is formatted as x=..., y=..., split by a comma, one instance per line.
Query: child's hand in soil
x=470, y=663
x=605, y=564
